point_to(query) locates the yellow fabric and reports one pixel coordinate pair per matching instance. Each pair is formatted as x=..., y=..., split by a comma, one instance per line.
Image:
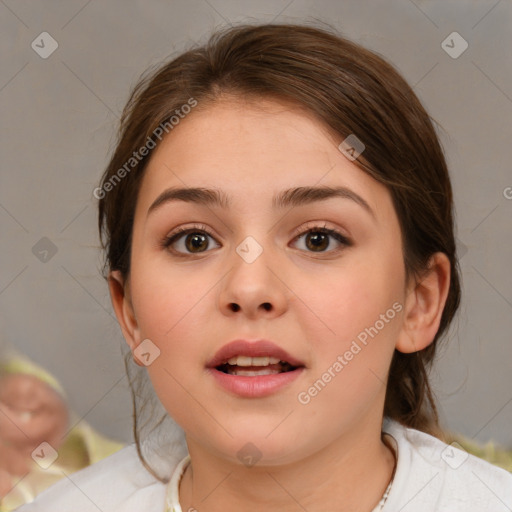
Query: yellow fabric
x=83, y=445
x=491, y=452
x=16, y=364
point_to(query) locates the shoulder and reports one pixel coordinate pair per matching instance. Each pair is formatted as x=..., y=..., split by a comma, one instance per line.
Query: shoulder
x=117, y=483
x=432, y=475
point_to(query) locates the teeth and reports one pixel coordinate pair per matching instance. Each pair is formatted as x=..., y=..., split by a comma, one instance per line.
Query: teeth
x=252, y=361
x=251, y=373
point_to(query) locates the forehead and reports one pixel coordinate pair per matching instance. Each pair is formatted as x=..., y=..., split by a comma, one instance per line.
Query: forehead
x=246, y=133
x=252, y=150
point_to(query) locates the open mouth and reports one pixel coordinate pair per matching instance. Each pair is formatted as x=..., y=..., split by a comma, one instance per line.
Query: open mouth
x=254, y=366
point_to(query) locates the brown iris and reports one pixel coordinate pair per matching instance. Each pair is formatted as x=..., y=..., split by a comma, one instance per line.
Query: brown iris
x=319, y=240
x=196, y=241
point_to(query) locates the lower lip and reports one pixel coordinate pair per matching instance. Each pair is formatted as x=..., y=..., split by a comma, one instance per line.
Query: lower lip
x=254, y=387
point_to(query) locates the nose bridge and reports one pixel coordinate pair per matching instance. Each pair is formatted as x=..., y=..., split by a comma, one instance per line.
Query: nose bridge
x=252, y=284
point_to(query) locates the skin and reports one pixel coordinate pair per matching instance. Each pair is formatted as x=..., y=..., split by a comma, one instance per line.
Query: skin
x=328, y=454
x=31, y=412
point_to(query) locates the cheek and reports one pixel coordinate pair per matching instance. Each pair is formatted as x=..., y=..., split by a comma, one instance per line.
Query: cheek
x=171, y=311
x=166, y=298
x=350, y=366
x=362, y=308
x=352, y=299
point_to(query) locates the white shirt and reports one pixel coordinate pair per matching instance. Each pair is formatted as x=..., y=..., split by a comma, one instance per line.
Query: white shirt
x=430, y=476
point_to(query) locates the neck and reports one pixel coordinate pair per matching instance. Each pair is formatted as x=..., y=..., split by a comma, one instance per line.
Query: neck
x=351, y=474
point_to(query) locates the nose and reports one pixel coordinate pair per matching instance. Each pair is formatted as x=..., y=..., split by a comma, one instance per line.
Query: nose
x=253, y=288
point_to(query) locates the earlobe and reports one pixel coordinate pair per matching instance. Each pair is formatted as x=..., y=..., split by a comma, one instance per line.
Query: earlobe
x=121, y=302
x=424, y=306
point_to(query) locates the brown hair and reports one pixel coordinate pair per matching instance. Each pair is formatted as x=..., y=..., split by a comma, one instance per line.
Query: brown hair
x=352, y=91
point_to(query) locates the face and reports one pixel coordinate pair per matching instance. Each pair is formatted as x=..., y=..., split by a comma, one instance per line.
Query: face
x=32, y=412
x=256, y=270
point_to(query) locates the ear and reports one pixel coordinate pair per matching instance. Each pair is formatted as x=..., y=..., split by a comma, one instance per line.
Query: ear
x=424, y=305
x=121, y=301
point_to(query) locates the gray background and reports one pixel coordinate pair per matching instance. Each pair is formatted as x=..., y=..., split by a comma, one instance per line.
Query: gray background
x=58, y=120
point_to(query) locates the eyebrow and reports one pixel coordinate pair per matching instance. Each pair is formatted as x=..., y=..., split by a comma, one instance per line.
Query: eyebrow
x=287, y=198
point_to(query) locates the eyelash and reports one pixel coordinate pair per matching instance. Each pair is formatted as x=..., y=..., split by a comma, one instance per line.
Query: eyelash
x=314, y=228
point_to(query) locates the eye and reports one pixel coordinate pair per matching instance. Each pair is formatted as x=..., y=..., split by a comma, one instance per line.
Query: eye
x=195, y=241
x=316, y=238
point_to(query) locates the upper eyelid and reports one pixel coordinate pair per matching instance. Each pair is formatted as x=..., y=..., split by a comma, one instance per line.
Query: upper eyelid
x=318, y=225
x=304, y=229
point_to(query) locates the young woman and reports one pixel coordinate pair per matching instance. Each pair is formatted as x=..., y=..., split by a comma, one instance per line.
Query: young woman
x=278, y=224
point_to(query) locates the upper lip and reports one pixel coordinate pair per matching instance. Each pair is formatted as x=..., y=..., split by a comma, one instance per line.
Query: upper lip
x=258, y=348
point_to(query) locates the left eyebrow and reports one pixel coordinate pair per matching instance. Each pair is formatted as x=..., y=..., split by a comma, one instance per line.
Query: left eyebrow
x=290, y=197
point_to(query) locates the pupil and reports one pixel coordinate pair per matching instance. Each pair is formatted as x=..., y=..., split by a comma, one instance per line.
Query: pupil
x=194, y=241
x=315, y=239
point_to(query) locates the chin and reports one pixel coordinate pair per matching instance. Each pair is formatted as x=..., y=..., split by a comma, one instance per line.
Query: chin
x=256, y=448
